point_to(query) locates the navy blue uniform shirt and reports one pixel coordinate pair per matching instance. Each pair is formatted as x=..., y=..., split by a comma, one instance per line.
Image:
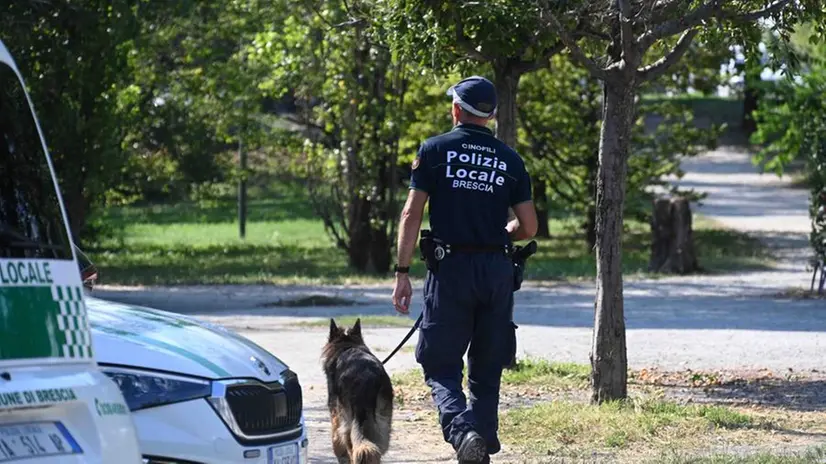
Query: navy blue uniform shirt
x=471, y=178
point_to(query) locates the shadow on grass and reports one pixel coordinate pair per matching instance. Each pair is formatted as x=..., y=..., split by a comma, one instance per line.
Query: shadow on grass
x=803, y=391
x=804, y=395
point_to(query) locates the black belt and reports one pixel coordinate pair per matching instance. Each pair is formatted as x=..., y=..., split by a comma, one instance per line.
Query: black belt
x=462, y=248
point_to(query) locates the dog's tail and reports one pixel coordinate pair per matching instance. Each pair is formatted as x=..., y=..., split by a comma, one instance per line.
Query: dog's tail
x=364, y=450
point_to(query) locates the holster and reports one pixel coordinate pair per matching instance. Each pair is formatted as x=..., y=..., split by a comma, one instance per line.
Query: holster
x=519, y=256
x=432, y=250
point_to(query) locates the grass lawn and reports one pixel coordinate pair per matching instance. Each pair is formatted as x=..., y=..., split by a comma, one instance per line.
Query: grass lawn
x=545, y=413
x=190, y=244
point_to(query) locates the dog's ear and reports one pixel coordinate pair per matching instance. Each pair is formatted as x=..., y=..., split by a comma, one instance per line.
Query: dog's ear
x=356, y=330
x=333, y=329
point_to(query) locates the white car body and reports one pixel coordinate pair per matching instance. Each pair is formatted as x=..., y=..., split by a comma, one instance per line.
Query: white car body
x=227, y=415
x=56, y=406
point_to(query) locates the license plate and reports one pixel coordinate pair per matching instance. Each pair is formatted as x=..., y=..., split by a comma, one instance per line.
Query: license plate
x=21, y=441
x=284, y=454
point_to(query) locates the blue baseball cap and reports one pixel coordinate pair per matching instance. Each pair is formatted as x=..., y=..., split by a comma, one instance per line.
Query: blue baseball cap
x=476, y=95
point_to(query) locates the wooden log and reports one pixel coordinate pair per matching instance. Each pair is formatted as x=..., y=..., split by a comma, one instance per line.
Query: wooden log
x=672, y=237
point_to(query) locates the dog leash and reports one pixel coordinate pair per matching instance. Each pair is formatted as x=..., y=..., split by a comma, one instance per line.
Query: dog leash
x=406, y=338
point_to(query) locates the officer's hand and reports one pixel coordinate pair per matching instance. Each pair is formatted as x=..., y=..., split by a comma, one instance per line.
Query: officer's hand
x=402, y=292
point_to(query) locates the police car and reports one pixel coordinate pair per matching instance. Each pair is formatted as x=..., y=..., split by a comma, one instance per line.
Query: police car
x=56, y=406
x=198, y=393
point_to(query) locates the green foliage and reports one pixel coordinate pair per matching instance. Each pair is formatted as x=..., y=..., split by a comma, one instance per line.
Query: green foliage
x=73, y=57
x=791, y=125
x=699, y=70
x=791, y=122
x=560, y=110
x=350, y=87
x=443, y=35
x=559, y=115
x=427, y=109
x=502, y=40
x=144, y=102
x=193, y=96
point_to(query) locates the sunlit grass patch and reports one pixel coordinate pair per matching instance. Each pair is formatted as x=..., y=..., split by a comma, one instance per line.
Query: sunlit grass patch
x=191, y=244
x=545, y=412
x=572, y=427
x=537, y=371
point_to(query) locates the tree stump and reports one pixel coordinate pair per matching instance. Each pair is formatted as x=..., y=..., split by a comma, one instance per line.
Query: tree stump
x=672, y=240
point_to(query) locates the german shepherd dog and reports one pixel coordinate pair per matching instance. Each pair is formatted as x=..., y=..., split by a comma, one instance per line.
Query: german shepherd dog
x=359, y=397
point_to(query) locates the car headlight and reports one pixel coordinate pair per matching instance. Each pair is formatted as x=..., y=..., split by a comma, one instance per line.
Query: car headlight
x=142, y=389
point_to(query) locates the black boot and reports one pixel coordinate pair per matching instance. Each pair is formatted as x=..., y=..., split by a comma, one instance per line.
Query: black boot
x=472, y=449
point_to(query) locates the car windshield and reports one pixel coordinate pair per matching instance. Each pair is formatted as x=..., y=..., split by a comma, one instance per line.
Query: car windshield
x=31, y=223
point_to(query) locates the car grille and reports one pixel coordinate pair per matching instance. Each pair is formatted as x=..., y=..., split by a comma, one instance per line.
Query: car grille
x=266, y=409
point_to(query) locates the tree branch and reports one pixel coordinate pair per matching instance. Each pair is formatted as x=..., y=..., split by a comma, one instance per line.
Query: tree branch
x=710, y=9
x=464, y=42
x=660, y=11
x=679, y=24
x=662, y=65
x=524, y=66
x=629, y=54
x=571, y=44
x=598, y=35
x=755, y=15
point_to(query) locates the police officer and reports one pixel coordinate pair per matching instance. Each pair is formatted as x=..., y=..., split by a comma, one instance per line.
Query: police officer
x=471, y=179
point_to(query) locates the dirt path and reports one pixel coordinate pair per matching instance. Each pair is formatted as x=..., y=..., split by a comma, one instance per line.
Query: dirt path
x=699, y=322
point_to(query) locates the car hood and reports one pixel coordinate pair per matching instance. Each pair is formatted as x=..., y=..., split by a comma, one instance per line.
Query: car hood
x=142, y=337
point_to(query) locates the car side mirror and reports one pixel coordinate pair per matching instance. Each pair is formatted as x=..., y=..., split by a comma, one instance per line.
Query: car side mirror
x=89, y=276
x=88, y=270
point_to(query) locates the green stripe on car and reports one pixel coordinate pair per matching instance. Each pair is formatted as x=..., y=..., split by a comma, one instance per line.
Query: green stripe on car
x=176, y=349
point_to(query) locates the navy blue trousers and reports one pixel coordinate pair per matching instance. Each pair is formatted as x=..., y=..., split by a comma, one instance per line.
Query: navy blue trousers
x=467, y=308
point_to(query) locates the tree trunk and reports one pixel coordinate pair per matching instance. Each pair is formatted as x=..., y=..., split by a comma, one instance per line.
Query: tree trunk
x=672, y=244
x=359, y=208
x=661, y=232
x=592, y=164
x=359, y=234
x=540, y=199
x=384, y=212
x=380, y=256
x=608, y=355
x=751, y=97
x=507, y=83
x=77, y=207
x=591, y=228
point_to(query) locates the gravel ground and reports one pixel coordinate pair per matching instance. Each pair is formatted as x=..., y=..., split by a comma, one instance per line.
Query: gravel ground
x=701, y=322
